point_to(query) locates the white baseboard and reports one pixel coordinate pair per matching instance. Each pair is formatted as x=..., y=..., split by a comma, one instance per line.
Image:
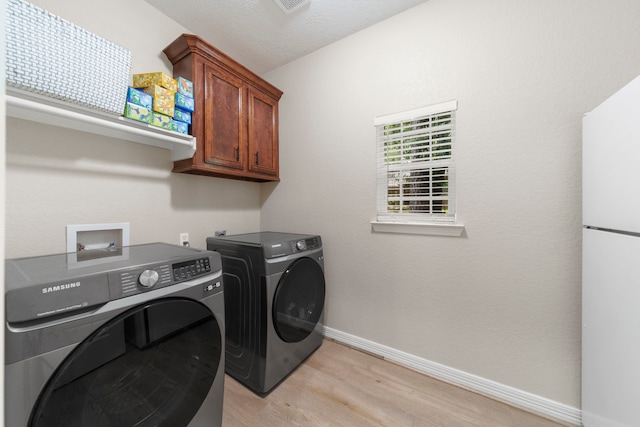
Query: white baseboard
x=503, y=393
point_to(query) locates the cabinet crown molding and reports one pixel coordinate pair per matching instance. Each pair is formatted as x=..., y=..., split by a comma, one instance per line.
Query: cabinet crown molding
x=191, y=44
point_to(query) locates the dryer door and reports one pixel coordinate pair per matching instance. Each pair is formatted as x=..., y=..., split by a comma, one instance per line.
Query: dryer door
x=152, y=365
x=299, y=300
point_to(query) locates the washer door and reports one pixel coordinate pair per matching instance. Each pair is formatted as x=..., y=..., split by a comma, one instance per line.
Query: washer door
x=299, y=300
x=150, y=366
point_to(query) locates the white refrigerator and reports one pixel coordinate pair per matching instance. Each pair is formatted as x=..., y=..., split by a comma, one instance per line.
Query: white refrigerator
x=611, y=261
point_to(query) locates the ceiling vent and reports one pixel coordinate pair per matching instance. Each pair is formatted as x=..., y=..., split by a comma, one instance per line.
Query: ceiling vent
x=290, y=6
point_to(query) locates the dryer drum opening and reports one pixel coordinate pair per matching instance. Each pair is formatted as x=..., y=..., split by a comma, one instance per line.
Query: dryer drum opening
x=299, y=300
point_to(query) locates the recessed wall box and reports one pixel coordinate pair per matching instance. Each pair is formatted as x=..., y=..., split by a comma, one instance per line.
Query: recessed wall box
x=84, y=238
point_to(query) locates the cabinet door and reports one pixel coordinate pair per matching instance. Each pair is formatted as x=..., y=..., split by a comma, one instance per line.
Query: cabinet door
x=224, y=123
x=263, y=134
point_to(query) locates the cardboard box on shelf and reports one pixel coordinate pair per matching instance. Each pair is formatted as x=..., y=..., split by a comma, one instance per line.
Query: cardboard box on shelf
x=151, y=79
x=181, y=127
x=185, y=86
x=137, y=112
x=139, y=97
x=163, y=99
x=161, y=120
x=184, y=102
x=182, y=115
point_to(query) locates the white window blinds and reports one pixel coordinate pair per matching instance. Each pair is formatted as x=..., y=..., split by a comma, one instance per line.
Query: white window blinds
x=415, y=162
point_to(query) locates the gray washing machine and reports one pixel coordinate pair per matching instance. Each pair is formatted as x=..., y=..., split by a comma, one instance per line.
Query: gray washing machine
x=274, y=300
x=121, y=337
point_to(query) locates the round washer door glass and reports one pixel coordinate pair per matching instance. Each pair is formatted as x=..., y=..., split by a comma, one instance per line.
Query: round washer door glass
x=152, y=365
x=299, y=300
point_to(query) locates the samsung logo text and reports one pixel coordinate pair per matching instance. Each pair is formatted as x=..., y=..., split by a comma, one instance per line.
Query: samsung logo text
x=58, y=288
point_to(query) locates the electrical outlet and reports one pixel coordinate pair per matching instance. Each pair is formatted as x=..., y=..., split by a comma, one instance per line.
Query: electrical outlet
x=220, y=233
x=184, y=239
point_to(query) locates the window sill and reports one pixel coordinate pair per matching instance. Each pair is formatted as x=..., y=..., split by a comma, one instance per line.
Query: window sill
x=452, y=230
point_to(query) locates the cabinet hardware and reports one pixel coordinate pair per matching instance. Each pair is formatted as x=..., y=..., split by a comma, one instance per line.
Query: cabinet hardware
x=237, y=154
x=257, y=158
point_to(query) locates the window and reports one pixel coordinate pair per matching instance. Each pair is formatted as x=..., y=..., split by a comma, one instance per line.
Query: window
x=416, y=166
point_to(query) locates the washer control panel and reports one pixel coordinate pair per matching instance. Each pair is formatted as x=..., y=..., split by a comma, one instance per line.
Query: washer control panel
x=134, y=281
x=194, y=268
x=60, y=284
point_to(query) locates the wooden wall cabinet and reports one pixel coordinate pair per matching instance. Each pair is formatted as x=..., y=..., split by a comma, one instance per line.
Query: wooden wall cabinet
x=235, y=121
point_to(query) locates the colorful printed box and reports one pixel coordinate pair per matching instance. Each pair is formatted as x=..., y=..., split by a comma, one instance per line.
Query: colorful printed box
x=181, y=127
x=151, y=79
x=160, y=120
x=182, y=115
x=138, y=97
x=184, y=102
x=163, y=100
x=185, y=86
x=137, y=112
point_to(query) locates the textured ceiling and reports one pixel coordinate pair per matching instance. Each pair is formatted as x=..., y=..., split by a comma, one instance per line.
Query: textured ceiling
x=258, y=34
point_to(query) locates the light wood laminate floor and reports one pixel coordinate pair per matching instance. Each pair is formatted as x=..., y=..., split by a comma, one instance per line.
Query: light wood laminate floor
x=341, y=386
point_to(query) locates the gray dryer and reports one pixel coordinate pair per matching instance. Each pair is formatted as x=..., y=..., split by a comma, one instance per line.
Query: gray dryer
x=274, y=299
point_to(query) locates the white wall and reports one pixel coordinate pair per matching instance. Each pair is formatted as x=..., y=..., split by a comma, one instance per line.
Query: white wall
x=502, y=301
x=57, y=176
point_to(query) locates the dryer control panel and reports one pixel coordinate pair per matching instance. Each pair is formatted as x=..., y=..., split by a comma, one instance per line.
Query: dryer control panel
x=290, y=247
x=305, y=244
x=272, y=244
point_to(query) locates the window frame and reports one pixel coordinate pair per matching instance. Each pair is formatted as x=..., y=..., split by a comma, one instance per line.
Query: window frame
x=427, y=161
